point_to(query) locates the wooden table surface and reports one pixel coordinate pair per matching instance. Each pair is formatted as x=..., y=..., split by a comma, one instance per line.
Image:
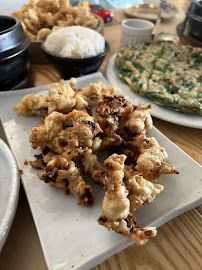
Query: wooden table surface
x=178, y=242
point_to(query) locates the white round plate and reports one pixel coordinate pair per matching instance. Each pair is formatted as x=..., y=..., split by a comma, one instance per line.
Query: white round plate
x=9, y=190
x=188, y=120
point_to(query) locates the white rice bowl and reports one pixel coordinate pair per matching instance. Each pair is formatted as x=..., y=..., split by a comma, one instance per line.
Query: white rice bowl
x=75, y=42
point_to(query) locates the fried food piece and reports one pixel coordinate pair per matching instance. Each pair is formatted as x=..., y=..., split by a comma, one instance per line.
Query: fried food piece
x=62, y=173
x=151, y=161
x=54, y=134
x=108, y=112
x=141, y=191
x=94, y=92
x=39, y=18
x=32, y=104
x=84, y=128
x=43, y=33
x=61, y=98
x=51, y=132
x=116, y=205
x=139, y=119
x=111, y=111
x=93, y=167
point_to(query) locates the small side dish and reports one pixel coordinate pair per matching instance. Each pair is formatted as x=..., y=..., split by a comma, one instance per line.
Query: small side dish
x=40, y=18
x=70, y=137
x=166, y=72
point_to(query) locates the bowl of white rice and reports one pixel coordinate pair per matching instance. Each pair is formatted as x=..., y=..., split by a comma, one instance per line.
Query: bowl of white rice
x=75, y=50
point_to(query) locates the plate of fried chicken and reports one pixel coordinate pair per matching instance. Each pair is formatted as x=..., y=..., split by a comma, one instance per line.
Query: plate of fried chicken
x=82, y=139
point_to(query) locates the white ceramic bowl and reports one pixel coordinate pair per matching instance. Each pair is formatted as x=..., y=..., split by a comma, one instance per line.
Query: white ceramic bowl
x=9, y=190
x=135, y=31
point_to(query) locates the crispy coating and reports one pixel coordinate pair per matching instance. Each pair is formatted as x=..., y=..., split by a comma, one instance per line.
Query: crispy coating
x=62, y=173
x=62, y=98
x=94, y=92
x=111, y=111
x=84, y=128
x=93, y=167
x=32, y=104
x=50, y=132
x=39, y=18
x=116, y=205
x=54, y=134
x=151, y=161
x=139, y=119
x=141, y=191
x=108, y=112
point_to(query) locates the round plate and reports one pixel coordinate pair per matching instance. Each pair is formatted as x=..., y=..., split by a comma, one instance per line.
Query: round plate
x=149, y=12
x=9, y=190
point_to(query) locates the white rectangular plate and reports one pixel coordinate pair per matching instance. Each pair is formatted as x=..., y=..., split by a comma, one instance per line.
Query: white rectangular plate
x=70, y=235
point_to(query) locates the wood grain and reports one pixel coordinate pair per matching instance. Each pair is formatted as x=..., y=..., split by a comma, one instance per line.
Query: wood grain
x=177, y=246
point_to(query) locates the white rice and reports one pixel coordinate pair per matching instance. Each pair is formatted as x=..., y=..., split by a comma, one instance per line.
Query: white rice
x=75, y=42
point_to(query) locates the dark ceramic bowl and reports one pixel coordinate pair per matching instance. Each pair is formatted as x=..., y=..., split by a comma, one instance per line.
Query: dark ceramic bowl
x=194, y=19
x=71, y=67
x=195, y=8
x=194, y=24
x=14, y=64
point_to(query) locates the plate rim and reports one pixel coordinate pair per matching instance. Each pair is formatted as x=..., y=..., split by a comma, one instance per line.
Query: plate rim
x=6, y=222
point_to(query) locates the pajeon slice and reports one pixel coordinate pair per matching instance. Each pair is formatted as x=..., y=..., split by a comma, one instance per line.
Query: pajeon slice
x=135, y=64
x=174, y=80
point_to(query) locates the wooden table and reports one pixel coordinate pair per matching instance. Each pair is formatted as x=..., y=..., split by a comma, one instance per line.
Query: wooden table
x=178, y=243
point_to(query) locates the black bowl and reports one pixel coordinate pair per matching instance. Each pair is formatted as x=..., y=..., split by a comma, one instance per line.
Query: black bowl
x=195, y=8
x=194, y=26
x=14, y=63
x=71, y=67
x=194, y=19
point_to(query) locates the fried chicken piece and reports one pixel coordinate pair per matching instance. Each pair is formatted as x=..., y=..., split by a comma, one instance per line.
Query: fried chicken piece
x=141, y=191
x=54, y=134
x=111, y=110
x=93, y=167
x=61, y=98
x=94, y=92
x=32, y=104
x=51, y=134
x=39, y=15
x=62, y=173
x=139, y=119
x=116, y=205
x=108, y=111
x=84, y=128
x=151, y=161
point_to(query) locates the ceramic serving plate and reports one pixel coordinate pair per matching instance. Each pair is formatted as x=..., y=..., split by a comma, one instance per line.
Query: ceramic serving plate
x=189, y=120
x=70, y=235
x=9, y=190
